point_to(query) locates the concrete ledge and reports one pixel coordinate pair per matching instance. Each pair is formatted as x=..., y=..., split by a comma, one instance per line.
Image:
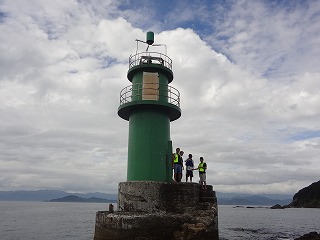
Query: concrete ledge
x=148, y=196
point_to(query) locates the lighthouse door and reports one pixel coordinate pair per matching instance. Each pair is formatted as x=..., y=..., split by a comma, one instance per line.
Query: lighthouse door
x=150, y=86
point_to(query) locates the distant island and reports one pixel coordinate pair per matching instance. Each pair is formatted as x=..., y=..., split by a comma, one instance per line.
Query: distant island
x=74, y=198
x=47, y=195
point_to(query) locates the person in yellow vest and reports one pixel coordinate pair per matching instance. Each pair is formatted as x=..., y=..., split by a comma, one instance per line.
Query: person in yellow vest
x=202, y=167
x=177, y=165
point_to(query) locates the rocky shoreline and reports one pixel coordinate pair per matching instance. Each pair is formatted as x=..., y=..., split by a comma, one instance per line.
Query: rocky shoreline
x=308, y=197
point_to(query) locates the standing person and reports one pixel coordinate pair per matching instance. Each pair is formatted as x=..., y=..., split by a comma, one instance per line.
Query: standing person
x=181, y=162
x=177, y=165
x=189, y=168
x=202, y=167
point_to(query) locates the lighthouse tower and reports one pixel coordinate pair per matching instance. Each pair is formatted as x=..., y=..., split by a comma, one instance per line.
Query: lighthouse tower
x=149, y=104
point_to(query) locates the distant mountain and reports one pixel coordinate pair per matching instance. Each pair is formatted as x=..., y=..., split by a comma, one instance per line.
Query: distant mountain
x=308, y=197
x=40, y=195
x=73, y=198
x=277, y=196
x=246, y=199
x=46, y=195
x=241, y=195
x=223, y=198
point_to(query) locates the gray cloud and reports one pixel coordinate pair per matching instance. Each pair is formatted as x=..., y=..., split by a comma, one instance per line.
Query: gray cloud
x=249, y=92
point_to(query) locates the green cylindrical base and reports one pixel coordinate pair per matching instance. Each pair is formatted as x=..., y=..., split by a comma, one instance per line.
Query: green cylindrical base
x=149, y=134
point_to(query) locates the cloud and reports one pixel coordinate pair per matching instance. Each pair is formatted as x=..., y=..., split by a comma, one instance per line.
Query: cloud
x=273, y=41
x=249, y=91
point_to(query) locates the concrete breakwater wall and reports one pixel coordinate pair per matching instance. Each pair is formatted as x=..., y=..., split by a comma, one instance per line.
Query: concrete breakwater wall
x=160, y=211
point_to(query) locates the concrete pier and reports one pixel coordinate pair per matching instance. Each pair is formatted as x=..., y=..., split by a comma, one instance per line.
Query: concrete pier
x=150, y=210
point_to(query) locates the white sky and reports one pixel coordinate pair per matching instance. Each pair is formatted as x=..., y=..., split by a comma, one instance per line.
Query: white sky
x=248, y=73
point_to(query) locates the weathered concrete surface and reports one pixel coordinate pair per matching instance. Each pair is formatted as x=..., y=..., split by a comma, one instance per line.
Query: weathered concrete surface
x=160, y=211
x=149, y=197
x=154, y=226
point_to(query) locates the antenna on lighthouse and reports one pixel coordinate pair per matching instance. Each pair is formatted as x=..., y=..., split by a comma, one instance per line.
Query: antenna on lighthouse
x=150, y=42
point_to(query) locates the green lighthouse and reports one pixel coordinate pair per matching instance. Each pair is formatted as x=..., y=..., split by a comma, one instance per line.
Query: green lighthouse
x=151, y=206
x=149, y=104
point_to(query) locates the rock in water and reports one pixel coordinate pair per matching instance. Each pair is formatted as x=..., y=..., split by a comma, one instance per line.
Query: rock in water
x=277, y=206
x=309, y=236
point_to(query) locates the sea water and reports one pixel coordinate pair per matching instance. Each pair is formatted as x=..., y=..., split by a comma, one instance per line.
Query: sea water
x=76, y=221
x=48, y=220
x=265, y=223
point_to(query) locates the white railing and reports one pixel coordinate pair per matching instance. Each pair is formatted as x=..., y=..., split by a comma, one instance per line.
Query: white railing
x=161, y=93
x=150, y=57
